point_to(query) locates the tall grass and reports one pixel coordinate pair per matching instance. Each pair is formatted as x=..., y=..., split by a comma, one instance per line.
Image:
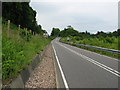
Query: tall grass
x=17, y=54
x=105, y=42
x=0, y=51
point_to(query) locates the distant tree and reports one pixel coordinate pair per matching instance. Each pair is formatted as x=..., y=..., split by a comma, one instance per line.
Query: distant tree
x=69, y=31
x=55, y=32
x=116, y=33
x=101, y=34
x=70, y=27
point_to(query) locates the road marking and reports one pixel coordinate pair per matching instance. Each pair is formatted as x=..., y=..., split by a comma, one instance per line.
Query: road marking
x=95, y=53
x=63, y=76
x=94, y=62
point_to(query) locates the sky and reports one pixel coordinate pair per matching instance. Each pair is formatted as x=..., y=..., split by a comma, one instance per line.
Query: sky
x=82, y=15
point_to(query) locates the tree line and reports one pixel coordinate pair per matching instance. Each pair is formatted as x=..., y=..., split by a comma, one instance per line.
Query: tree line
x=69, y=31
x=20, y=13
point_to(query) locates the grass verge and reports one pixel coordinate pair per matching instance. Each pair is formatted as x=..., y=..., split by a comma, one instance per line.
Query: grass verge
x=17, y=54
x=114, y=55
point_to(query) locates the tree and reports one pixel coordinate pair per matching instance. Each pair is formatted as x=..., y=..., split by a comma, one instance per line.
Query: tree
x=55, y=32
x=69, y=31
x=21, y=13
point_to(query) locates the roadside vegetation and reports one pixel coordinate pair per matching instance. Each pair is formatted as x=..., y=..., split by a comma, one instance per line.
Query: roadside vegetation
x=105, y=42
x=18, y=53
x=22, y=38
x=100, y=43
x=108, y=40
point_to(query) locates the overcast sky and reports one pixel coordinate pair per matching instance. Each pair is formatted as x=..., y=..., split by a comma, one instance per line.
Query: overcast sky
x=92, y=16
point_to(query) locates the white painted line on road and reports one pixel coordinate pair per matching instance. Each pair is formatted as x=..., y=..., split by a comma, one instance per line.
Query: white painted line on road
x=63, y=76
x=96, y=53
x=94, y=62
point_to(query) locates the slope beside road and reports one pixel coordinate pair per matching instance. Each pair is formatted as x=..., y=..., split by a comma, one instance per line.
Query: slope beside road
x=85, y=69
x=44, y=74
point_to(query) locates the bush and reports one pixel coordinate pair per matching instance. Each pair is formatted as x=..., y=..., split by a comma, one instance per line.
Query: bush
x=105, y=42
x=17, y=54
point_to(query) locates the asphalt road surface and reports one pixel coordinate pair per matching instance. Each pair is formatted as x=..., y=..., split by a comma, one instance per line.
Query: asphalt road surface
x=85, y=69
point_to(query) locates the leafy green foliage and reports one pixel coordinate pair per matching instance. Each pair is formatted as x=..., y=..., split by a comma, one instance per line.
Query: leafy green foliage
x=21, y=13
x=69, y=31
x=18, y=50
x=55, y=32
x=12, y=57
x=100, y=39
x=25, y=34
x=17, y=54
x=105, y=42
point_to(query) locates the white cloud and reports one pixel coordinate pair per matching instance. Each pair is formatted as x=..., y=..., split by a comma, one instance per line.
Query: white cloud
x=91, y=16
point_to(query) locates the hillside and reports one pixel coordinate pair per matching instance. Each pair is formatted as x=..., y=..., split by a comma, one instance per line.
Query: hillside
x=19, y=46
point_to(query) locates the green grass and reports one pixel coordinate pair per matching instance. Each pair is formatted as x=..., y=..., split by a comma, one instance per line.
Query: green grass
x=17, y=54
x=0, y=49
x=108, y=42
x=105, y=42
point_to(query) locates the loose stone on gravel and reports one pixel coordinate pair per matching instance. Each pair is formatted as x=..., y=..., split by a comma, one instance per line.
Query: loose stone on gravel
x=44, y=74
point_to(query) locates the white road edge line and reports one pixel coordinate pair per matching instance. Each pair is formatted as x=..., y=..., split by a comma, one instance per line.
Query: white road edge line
x=94, y=62
x=63, y=76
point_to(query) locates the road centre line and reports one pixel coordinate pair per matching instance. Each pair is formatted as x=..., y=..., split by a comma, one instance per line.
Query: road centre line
x=98, y=54
x=94, y=62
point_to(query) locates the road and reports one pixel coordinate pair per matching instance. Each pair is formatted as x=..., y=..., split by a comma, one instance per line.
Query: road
x=85, y=69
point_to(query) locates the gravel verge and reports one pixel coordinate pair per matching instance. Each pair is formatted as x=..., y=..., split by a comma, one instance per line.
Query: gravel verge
x=44, y=74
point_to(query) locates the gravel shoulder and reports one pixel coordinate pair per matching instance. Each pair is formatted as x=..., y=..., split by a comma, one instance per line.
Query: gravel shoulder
x=44, y=74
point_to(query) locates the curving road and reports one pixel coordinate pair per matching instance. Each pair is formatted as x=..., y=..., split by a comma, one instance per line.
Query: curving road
x=80, y=68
